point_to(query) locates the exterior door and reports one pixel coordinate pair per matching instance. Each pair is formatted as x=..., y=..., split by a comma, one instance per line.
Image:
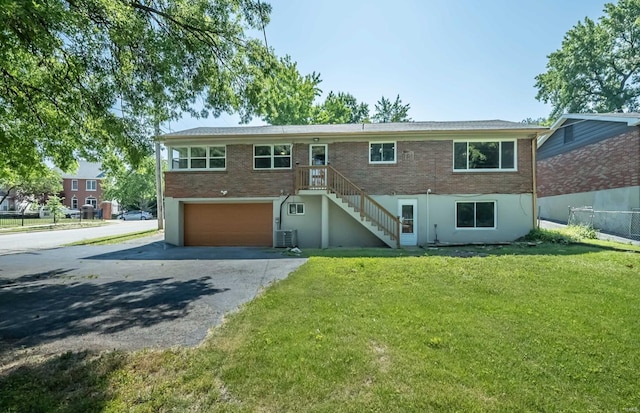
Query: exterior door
x=317, y=156
x=407, y=210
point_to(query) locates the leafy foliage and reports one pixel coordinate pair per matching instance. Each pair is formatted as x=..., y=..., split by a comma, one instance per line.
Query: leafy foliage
x=89, y=77
x=391, y=112
x=597, y=69
x=55, y=206
x=132, y=186
x=341, y=108
x=33, y=185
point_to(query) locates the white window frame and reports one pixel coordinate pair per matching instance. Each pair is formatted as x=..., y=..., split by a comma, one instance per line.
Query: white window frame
x=207, y=158
x=87, y=201
x=395, y=152
x=499, y=169
x=475, y=227
x=272, y=156
x=91, y=188
x=297, y=206
x=74, y=184
x=74, y=200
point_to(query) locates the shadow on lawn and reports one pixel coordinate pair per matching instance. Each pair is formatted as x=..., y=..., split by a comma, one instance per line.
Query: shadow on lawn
x=34, y=312
x=468, y=251
x=71, y=382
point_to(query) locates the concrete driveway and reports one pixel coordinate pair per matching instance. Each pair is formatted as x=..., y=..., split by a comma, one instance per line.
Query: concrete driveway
x=138, y=294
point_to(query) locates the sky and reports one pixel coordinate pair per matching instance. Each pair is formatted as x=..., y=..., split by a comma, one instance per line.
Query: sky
x=448, y=59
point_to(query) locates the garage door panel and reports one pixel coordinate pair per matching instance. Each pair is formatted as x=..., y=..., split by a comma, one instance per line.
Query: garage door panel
x=228, y=224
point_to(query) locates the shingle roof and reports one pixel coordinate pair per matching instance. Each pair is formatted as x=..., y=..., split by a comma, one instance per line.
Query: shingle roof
x=86, y=170
x=483, y=125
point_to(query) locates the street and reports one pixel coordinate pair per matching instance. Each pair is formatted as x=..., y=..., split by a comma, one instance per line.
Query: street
x=13, y=243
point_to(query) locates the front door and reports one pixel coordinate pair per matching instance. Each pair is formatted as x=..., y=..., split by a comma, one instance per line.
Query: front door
x=407, y=210
x=317, y=156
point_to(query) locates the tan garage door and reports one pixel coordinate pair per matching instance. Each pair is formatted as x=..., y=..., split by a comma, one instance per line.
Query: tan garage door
x=228, y=224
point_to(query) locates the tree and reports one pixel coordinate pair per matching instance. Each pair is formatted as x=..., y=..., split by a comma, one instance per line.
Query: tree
x=539, y=121
x=55, y=207
x=280, y=95
x=34, y=186
x=391, y=112
x=340, y=108
x=597, y=69
x=132, y=186
x=81, y=78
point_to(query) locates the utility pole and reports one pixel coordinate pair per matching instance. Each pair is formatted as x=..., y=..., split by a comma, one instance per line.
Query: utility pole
x=159, y=195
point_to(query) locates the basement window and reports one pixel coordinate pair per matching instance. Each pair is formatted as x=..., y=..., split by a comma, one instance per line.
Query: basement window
x=296, y=208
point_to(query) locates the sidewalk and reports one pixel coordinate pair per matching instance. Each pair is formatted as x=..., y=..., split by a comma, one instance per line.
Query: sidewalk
x=605, y=237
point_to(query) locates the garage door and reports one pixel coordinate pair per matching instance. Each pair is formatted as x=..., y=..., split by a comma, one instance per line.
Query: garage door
x=228, y=224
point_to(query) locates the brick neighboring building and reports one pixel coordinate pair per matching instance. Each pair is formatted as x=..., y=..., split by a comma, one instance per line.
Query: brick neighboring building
x=346, y=185
x=591, y=160
x=84, y=187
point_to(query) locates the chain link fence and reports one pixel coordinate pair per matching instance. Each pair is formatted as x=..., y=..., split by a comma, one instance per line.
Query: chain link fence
x=623, y=223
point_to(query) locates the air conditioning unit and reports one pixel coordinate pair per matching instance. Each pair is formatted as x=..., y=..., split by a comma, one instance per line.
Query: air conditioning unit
x=286, y=238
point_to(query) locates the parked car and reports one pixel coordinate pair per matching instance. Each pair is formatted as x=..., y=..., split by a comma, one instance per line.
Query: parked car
x=136, y=215
x=71, y=213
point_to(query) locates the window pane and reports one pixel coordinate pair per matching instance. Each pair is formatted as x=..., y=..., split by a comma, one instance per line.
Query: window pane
x=292, y=209
x=464, y=214
x=262, y=163
x=300, y=208
x=484, y=155
x=198, y=163
x=180, y=153
x=182, y=164
x=460, y=155
x=217, y=152
x=198, y=152
x=216, y=163
x=485, y=215
x=508, y=155
x=282, y=150
x=262, y=151
x=282, y=162
x=388, y=152
x=376, y=152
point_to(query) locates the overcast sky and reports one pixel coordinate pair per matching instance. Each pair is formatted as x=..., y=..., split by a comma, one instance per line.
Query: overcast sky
x=449, y=59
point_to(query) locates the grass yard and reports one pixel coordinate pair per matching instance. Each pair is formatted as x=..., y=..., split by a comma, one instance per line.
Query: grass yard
x=552, y=328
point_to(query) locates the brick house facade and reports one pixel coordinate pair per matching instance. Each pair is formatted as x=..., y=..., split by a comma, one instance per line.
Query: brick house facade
x=420, y=178
x=591, y=160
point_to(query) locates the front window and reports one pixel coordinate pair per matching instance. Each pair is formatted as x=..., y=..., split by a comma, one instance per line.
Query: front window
x=74, y=185
x=476, y=214
x=272, y=156
x=199, y=157
x=487, y=156
x=74, y=203
x=92, y=185
x=382, y=152
x=91, y=201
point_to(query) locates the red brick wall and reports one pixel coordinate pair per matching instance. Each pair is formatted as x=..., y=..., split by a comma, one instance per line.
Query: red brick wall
x=81, y=193
x=608, y=164
x=420, y=166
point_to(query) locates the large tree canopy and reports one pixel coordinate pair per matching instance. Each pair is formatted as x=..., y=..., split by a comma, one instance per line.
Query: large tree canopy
x=597, y=69
x=340, y=108
x=85, y=77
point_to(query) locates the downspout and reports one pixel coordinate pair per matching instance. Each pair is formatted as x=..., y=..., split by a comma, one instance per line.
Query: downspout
x=534, y=201
x=428, y=211
x=280, y=217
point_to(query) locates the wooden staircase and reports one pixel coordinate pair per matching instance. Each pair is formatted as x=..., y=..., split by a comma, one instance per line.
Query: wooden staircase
x=353, y=200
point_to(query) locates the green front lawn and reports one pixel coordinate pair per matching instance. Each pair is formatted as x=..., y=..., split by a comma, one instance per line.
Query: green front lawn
x=555, y=328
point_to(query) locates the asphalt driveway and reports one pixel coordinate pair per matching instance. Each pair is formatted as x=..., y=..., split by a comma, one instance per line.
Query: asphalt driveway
x=138, y=294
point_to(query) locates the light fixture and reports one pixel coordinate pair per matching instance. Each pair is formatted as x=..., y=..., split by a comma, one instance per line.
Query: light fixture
x=316, y=139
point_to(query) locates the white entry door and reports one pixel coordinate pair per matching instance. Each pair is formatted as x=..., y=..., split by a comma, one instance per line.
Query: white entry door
x=317, y=156
x=407, y=210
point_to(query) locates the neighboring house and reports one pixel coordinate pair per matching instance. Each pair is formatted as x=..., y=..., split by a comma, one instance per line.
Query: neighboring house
x=591, y=160
x=346, y=185
x=8, y=201
x=84, y=187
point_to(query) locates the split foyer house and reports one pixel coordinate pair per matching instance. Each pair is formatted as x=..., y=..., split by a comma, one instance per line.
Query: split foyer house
x=592, y=160
x=360, y=185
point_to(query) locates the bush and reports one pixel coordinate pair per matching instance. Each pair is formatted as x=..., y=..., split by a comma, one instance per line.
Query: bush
x=572, y=233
